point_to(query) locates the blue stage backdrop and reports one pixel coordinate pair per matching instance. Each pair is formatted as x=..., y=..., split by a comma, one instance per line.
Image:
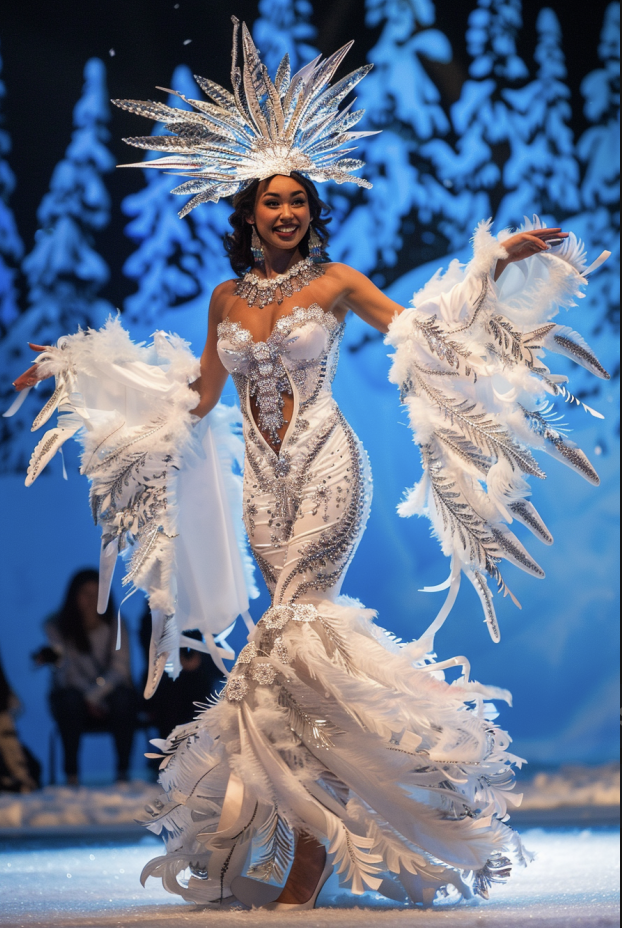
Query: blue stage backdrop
x=481, y=115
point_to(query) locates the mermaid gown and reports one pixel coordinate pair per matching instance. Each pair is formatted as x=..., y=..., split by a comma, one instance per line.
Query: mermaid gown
x=326, y=725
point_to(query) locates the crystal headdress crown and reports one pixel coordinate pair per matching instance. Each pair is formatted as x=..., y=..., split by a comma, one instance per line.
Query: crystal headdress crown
x=261, y=129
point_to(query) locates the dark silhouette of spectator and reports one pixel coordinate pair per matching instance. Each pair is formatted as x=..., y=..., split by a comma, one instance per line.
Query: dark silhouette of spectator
x=173, y=703
x=20, y=771
x=92, y=686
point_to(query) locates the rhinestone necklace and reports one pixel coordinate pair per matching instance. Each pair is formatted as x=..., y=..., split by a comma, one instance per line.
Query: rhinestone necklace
x=259, y=292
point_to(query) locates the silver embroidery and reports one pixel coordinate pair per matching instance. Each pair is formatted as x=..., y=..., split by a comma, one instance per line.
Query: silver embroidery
x=264, y=366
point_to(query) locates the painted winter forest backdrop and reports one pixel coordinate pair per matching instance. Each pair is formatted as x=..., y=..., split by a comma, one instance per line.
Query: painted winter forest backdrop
x=505, y=148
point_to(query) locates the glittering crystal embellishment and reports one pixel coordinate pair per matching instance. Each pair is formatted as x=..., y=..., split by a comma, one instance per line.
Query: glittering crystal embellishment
x=279, y=652
x=261, y=292
x=278, y=616
x=247, y=654
x=282, y=466
x=236, y=689
x=263, y=673
x=305, y=613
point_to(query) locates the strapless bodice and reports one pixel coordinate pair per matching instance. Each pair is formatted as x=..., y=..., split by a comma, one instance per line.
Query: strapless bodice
x=301, y=336
x=300, y=357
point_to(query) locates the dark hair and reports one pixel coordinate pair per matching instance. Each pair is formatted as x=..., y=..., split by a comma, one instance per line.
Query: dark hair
x=69, y=619
x=238, y=242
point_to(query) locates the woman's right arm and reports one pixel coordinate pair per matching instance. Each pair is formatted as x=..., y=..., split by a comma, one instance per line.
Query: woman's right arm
x=211, y=380
x=209, y=385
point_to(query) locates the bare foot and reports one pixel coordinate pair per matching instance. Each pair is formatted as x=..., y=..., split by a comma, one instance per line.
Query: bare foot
x=306, y=871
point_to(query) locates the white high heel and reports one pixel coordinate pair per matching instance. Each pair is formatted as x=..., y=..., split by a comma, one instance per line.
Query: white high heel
x=310, y=903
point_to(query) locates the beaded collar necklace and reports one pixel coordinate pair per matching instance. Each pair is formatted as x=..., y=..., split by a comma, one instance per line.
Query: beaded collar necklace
x=259, y=292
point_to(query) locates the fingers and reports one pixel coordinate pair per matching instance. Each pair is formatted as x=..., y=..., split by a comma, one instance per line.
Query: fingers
x=543, y=243
x=549, y=233
x=535, y=243
x=28, y=379
x=32, y=376
x=21, y=384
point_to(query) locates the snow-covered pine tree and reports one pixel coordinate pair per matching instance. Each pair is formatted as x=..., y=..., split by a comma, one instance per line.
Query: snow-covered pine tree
x=542, y=173
x=483, y=120
x=284, y=27
x=178, y=261
x=11, y=247
x=166, y=264
x=599, y=152
x=401, y=100
x=64, y=271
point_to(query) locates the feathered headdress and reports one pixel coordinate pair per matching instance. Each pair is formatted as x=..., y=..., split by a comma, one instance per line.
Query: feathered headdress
x=261, y=129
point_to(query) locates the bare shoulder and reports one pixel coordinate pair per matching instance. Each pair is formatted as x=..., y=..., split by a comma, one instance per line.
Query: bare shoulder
x=224, y=289
x=345, y=275
x=222, y=295
x=337, y=269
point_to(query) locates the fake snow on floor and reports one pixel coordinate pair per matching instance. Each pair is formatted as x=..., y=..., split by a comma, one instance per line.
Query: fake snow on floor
x=47, y=883
x=65, y=807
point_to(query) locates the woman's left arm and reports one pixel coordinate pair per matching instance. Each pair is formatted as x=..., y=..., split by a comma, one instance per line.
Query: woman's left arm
x=365, y=299
x=469, y=359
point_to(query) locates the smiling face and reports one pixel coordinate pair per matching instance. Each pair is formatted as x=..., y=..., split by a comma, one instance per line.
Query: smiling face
x=282, y=214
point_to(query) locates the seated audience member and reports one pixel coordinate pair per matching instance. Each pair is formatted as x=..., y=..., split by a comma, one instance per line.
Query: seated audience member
x=20, y=771
x=92, y=685
x=173, y=703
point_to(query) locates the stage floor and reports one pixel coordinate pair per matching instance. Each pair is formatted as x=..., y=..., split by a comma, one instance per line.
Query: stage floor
x=93, y=882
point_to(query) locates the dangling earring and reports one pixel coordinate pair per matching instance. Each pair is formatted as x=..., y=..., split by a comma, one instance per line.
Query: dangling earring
x=257, y=248
x=316, y=251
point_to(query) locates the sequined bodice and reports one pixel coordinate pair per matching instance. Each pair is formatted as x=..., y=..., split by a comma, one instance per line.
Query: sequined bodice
x=300, y=354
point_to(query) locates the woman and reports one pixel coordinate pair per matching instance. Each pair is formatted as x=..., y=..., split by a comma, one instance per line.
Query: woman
x=92, y=683
x=330, y=746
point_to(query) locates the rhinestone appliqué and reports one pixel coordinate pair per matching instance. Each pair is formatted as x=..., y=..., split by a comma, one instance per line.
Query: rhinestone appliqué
x=305, y=612
x=248, y=653
x=236, y=689
x=279, y=652
x=277, y=616
x=263, y=673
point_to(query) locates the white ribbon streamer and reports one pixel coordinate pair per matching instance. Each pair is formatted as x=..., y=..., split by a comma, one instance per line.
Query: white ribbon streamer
x=17, y=403
x=453, y=582
x=597, y=263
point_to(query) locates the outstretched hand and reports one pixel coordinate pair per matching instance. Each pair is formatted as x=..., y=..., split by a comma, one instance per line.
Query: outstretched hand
x=30, y=377
x=525, y=244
